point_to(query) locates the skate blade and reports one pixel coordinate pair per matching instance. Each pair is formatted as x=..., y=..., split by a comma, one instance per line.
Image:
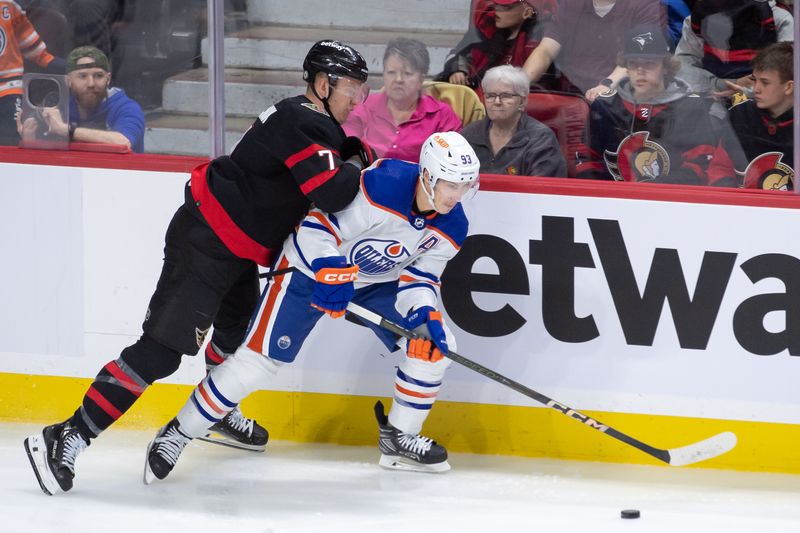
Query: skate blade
x=148, y=476
x=223, y=440
x=393, y=462
x=36, y=449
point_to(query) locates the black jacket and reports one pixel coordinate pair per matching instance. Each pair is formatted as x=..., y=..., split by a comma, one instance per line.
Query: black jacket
x=670, y=139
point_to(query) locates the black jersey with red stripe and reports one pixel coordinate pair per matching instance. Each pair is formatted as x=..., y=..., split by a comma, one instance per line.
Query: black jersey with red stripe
x=733, y=31
x=671, y=139
x=288, y=159
x=768, y=144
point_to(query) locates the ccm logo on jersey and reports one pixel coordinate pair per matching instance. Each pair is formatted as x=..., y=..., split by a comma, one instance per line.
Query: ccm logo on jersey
x=335, y=279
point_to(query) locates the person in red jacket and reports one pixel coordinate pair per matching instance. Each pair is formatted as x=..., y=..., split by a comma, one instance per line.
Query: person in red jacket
x=652, y=128
x=502, y=32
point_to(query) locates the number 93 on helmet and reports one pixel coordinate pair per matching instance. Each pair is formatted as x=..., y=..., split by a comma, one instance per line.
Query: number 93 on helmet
x=449, y=170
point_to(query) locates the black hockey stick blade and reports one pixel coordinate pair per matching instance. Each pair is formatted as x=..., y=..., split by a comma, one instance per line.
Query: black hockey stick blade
x=686, y=455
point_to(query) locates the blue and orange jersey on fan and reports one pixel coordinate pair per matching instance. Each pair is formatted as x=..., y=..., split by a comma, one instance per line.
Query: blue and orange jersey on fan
x=18, y=41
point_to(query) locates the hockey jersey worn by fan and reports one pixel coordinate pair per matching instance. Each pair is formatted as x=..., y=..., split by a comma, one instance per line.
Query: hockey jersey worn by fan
x=381, y=234
x=485, y=46
x=18, y=41
x=251, y=199
x=768, y=144
x=671, y=139
x=732, y=32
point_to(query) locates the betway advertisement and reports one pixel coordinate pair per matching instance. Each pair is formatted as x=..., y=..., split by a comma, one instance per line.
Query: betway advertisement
x=638, y=305
x=687, y=305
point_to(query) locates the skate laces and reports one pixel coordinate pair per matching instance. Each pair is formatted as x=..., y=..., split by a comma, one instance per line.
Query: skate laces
x=415, y=443
x=72, y=445
x=239, y=422
x=171, y=444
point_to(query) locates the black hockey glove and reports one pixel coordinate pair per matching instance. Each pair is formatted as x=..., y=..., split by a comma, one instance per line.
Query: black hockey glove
x=355, y=147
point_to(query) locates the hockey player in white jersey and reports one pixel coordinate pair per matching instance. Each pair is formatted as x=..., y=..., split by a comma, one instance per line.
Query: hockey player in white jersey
x=386, y=251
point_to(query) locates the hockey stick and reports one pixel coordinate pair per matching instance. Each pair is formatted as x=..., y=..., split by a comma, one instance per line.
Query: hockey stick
x=686, y=455
x=272, y=273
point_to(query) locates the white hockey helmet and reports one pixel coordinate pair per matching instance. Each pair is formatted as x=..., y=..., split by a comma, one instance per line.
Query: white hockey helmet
x=449, y=157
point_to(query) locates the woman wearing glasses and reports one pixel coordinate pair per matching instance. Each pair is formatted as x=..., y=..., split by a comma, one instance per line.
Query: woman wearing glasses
x=508, y=141
x=396, y=121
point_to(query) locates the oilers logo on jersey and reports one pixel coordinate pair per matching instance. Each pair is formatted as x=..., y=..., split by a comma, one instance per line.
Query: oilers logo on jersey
x=377, y=256
x=2, y=41
x=377, y=233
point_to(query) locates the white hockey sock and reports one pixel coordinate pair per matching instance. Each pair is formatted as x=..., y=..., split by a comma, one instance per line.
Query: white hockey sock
x=223, y=388
x=416, y=386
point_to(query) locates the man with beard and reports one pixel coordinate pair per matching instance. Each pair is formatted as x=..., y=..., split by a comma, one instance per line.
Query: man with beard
x=97, y=113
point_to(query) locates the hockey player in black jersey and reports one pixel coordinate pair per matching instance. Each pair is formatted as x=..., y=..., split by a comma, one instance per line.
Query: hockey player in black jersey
x=764, y=124
x=652, y=128
x=237, y=212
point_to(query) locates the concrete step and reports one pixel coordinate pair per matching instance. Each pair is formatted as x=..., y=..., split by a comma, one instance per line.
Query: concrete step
x=280, y=47
x=187, y=134
x=247, y=91
x=446, y=15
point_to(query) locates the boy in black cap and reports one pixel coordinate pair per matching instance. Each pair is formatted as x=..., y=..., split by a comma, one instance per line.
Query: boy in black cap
x=652, y=128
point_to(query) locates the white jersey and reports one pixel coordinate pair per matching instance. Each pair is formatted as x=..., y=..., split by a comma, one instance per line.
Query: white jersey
x=379, y=232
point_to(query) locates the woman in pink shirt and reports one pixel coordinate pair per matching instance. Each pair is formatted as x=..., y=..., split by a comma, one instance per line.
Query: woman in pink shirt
x=396, y=121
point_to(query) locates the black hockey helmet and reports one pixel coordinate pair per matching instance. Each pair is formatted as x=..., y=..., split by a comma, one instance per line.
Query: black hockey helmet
x=334, y=58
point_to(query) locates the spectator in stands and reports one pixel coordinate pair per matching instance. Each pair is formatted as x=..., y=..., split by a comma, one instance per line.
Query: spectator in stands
x=508, y=141
x=721, y=37
x=764, y=124
x=97, y=113
x=652, y=128
x=501, y=32
x=18, y=42
x=90, y=21
x=677, y=11
x=396, y=121
x=583, y=41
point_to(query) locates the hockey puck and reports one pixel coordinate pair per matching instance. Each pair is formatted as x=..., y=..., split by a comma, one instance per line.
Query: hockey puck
x=630, y=513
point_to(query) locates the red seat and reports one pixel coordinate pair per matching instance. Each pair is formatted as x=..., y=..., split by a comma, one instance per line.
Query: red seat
x=565, y=114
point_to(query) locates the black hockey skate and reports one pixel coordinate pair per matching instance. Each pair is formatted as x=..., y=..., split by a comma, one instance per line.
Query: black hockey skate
x=404, y=451
x=238, y=431
x=52, y=454
x=163, y=451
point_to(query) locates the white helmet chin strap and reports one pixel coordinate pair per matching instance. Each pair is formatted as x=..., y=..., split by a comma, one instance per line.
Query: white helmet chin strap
x=426, y=182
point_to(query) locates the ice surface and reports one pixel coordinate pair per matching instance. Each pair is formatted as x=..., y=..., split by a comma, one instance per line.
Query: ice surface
x=311, y=487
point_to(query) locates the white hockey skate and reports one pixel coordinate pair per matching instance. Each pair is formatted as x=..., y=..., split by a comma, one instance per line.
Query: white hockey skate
x=404, y=451
x=238, y=431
